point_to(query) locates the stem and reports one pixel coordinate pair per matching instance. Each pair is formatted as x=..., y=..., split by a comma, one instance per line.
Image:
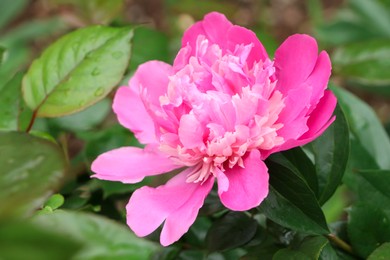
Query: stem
x=33, y=117
x=340, y=243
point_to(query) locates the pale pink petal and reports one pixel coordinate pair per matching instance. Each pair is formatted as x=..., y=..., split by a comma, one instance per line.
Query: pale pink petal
x=190, y=131
x=294, y=61
x=131, y=113
x=178, y=223
x=240, y=35
x=223, y=181
x=176, y=202
x=247, y=186
x=152, y=77
x=131, y=164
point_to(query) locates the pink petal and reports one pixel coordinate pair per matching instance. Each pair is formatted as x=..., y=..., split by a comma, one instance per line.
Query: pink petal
x=240, y=35
x=130, y=164
x=319, y=78
x=294, y=61
x=320, y=116
x=153, y=77
x=176, y=202
x=214, y=26
x=320, y=119
x=131, y=113
x=178, y=223
x=190, y=131
x=247, y=186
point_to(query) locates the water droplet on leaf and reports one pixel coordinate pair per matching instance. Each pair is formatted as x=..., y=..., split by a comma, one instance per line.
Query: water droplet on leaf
x=117, y=54
x=95, y=72
x=99, y=92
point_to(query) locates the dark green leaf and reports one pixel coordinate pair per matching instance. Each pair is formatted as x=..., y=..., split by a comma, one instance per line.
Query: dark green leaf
x=2, y=54
x=31, y=169
x=291, y=200
x=331, y=151
x=370, y=144
x=304, y=165
x=9, y=9
x=309, y=248
x=232, y=230
x=101, y=238
x=290, y=254
x=282, y=211
x=148, y=45
x=77, y=71
x=365, y=63
x=9, y=103
x=26, y=241
x=381, y=253
x=368, y=227
x=379, y=179
x=328, y=253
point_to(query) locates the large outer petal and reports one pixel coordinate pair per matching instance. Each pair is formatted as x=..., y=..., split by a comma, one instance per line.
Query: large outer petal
x=219, y=30
x=294, y=61
x=176, y=202
x=131, y=164
x=247, y=186
x=132, y=114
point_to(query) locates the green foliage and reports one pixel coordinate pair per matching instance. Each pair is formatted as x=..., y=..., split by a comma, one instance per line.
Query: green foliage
x=89, y=62
x=99, y=238
x=28, y=173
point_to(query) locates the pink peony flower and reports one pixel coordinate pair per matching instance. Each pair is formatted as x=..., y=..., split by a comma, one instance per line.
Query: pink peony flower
x=218, y=112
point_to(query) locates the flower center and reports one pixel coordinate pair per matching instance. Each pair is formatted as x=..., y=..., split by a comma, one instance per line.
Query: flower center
x=222, y=108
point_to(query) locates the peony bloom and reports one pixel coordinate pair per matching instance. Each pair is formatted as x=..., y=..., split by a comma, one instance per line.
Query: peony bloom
x=216, y=114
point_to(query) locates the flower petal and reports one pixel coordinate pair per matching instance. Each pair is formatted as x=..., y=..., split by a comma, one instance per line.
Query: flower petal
x=131, y=164
x=190, y=131
x=294, y=61
x=214, y=26
x=152, y=76
x=176, y=202
x=240, y=35
x=178, y=223
x=247, y=186
x=131, y=113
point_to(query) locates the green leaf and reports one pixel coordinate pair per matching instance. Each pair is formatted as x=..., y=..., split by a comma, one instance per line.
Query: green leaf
x=380, y=179
x=374, y=14
x=101, y=238
x=148, y=45
x=291, y=202
x=286, y=253
x=9, y=9
x=331, y=152
x=2, y=54
x=381, y=253
x=368, y=227
x=55, y=201
x=304, y=165
x=232, y=230
x=370, y=144
x=9, y=103
x=84, y=120
x=27, y=241
x=31, y=169
x=78, y=70
x=309, y=248
x=365, y=63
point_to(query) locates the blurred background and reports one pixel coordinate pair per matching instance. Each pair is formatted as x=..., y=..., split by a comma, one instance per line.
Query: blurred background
x=356, y=34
